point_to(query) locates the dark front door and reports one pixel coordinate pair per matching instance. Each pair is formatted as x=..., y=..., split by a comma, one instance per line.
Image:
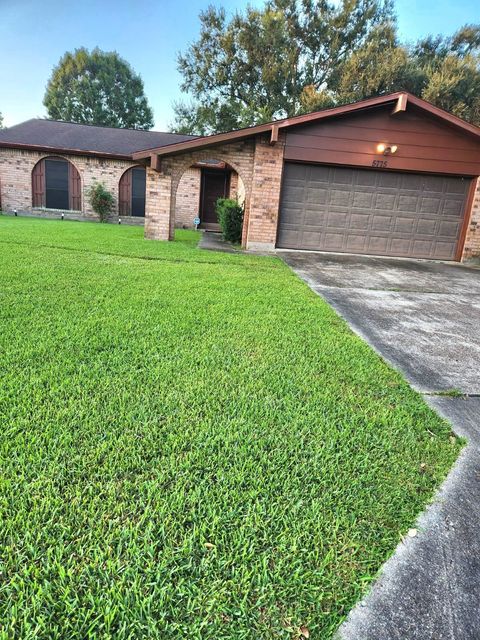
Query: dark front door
x=215, y=185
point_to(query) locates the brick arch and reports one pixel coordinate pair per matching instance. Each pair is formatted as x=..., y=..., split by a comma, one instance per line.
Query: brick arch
x=238, y=157
x=180, y=170
x=58, y=155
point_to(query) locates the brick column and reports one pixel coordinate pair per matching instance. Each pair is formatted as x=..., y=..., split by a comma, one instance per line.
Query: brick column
x=472, y=241
x=265, y=194
x=157, y=206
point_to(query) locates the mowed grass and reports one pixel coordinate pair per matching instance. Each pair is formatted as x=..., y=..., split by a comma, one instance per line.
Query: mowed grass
x=192, y=444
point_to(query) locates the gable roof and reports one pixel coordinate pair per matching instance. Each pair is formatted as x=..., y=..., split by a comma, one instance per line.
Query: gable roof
x=54, y=135
x=399, y=100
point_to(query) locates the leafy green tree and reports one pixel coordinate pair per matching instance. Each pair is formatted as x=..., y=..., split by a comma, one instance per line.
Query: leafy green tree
x=296, y=56
x=257, y=66
x=1, y=120
x=448, y=71
x=380, y=66
x=97, y=87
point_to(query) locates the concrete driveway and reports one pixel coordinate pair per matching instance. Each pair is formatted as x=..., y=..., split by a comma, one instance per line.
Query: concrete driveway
x=424, y=318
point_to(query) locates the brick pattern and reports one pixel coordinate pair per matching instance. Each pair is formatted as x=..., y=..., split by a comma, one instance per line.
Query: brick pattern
x=172, y=195
x=261, y=230
x=472, y=240
x=237, y=188
x=157, y=206
x=16, y=182
x=239, y=155
x=188, y=198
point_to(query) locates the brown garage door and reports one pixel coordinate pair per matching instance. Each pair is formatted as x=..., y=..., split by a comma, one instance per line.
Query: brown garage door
x=384, y=213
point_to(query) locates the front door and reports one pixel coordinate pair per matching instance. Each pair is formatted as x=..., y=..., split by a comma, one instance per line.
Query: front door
x=215, y=185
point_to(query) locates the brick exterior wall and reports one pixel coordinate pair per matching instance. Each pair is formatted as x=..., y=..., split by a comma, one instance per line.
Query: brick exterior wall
x=239, y=155
x=237, y=188
x=258, y=166
x=188, y=198
x=16, y=180
x=472, y=240
x=172, y=195
x=261, y=229
x=158, y=220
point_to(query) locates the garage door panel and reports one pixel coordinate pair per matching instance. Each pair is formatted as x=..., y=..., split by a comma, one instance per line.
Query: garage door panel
x=369, y=211
x=359, y=221
x=443, y=251
x=317, y=195
x=333, y=240
x=382, y=223
x=385, y=201
x=363, y=200
x=355, y=243
x=426, y=226
x=377, y=244
x=447, y=228
x=453, y=207
x=453, y=185
x=430, y=205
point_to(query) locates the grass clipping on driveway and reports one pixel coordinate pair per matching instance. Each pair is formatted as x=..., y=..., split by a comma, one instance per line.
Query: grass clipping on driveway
x=193, y=445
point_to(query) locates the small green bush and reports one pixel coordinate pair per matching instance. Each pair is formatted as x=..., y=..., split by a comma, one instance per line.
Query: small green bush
x=101, y=200
x=230, y=218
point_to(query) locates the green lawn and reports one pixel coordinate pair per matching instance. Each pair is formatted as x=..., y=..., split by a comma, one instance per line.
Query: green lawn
x=193, y=445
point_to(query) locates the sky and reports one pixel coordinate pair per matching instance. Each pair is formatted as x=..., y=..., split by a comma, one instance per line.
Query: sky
x=34, y=34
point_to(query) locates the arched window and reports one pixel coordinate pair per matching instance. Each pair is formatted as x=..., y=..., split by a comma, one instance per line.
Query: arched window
x=131, y=192
x=56, y=185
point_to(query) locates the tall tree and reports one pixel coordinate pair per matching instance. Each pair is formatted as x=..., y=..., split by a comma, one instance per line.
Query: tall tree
x=1, y=120
x=97, y=87
x=294, y=56
x=448, y=71
x=258, y=65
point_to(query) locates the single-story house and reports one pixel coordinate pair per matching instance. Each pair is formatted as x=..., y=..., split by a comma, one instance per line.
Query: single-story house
x=391, y=176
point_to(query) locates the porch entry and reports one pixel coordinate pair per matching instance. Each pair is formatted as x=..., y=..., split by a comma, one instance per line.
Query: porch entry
x=215, y=183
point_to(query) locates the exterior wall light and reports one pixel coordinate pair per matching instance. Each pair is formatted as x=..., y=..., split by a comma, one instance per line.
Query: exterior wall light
x=386, y=149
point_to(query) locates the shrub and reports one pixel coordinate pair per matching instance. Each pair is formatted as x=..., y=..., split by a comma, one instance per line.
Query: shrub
x=101, y=200
x=230, y=217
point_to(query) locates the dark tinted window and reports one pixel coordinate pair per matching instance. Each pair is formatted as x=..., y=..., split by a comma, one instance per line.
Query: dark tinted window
x=138, y=191
x=56, y=184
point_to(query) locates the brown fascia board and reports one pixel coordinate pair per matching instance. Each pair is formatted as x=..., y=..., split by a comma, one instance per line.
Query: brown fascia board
x=75, y=152
x=444, y=115
x=218, y=138
x=401, y=98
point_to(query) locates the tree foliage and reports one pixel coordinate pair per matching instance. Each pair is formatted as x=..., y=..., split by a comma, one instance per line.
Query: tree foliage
x=1, y=120
x=97, y=87
x=295, y=56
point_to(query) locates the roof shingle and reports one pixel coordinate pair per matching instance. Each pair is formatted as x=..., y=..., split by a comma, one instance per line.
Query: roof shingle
x=69, y=136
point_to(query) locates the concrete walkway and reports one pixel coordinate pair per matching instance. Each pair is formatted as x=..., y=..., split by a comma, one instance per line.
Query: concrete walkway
x=214, y=242
x=424, y=318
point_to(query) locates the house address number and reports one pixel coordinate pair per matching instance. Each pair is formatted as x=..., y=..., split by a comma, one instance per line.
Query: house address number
x=380, y=164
